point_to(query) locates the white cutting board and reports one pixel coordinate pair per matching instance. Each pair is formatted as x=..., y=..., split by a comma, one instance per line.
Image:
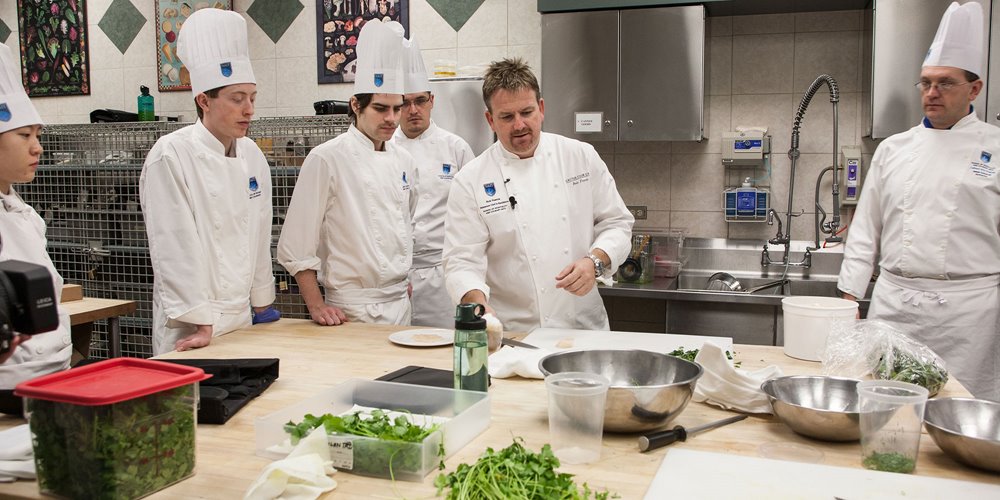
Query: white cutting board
x=699, y=474
x=564, y=338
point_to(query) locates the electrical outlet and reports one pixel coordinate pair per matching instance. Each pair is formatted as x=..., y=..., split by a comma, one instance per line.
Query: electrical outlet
x=638, y=211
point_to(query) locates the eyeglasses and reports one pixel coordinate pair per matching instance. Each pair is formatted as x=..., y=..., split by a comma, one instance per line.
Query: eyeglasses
x=418, y=102
x=942, y=87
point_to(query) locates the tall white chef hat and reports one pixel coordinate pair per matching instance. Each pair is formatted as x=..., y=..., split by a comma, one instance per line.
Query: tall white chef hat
x=380, y=58
x=16, y=110
x=416, y=73
x=959, y=39
x=213, y=45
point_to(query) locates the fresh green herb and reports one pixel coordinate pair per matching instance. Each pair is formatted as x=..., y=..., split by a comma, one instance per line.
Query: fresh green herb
x=122, y=450
x=514, y=472
x=906, y=368
x=690, y=355
x=395, y=443
x=889, y=462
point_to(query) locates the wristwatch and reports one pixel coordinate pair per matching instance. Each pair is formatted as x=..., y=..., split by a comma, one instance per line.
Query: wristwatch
x=598, y=265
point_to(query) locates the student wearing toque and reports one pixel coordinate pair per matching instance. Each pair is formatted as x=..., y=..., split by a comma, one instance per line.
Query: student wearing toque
x=22, y=233
x=206, y=197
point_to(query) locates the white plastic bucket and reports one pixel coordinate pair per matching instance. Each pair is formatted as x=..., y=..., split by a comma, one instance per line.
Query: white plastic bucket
x=807, y=323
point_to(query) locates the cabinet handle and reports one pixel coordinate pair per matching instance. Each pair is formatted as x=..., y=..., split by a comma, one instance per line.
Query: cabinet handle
x=998, y=116
x=629, y=123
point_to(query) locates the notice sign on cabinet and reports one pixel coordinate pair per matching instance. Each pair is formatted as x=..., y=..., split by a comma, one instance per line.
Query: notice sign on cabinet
x=589, y=122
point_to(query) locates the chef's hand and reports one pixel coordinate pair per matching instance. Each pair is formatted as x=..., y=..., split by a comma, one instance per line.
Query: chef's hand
x=477, y=297
x=201, y=337
x=18, y=339
x=578, y=277
x=326, y=315
x=848, y=296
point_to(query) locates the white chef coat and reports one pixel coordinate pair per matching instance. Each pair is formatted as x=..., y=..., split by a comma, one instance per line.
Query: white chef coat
x=439, y=155
x=23, y=233
x=208, y=218
x=349, y=220
x=566, y=204
x=930, y=207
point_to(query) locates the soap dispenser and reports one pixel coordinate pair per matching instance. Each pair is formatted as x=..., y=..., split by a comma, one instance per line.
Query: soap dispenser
x=146, y=111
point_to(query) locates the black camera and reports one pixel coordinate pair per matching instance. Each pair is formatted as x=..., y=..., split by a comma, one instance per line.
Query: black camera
x=27, y=301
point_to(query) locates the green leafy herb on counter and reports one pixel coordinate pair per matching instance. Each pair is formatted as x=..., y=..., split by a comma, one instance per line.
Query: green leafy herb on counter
x=889, y=462
x=121, y=450
x=394, y=444
x=514, y=472
x=906, y=368
x=691, y=354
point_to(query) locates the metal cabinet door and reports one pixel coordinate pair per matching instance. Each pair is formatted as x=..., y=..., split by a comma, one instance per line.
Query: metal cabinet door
x=580, y=71
x=662, y=91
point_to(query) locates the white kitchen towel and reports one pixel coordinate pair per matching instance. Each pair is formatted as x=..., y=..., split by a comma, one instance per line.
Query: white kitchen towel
x=521, y=361
x=494, y=331
x=303, y=475
x=16, y=458
x=12, y=470
x=731, y=388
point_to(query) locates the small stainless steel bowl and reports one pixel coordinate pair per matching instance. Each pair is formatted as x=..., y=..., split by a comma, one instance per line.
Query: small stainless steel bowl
x=966, y=429
x=815, y=406
x=648, y=389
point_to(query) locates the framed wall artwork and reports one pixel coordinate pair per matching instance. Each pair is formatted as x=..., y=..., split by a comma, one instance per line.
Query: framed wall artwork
x=54, y=56
x=170, y=16
x=338, y=24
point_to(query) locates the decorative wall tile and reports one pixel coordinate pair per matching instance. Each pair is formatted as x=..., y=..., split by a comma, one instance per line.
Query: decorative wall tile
x=274, y=16
x=456, y=12
x=121, y=23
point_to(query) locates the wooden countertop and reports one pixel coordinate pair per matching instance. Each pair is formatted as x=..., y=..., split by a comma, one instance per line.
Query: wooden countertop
x=89, y=309
x=314, y=358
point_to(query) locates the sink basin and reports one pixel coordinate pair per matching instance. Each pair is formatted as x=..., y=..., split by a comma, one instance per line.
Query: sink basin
x=698, y=281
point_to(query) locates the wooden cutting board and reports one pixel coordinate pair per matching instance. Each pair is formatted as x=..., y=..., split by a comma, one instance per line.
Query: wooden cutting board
x=564, y=338
x=698, y=474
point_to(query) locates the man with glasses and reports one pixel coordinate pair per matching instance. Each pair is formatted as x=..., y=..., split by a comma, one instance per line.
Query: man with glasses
x=930, y=211
x=439, y=155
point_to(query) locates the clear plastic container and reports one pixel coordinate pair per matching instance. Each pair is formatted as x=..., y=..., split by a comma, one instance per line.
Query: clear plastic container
x=576, y=415
x=121, y=428
x=465, y=414
x=892, y=415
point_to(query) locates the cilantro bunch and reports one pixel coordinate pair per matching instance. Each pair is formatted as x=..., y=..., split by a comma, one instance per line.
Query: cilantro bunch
x=514, y=472
x=691, y=354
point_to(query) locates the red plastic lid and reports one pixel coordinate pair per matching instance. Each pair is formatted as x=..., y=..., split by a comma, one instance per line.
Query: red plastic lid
x=110, y=381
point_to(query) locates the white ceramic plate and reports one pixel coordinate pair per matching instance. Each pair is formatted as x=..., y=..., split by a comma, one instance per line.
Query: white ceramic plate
x=423, y=337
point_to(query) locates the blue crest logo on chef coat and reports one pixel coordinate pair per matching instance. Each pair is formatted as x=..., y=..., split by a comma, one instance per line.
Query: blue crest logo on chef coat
x=5, y=114
x=253, y=184
x=490, y=189
x=985, y=156
x=404, y=179
x=379, y=79
x=445, y=168
x=227, y=69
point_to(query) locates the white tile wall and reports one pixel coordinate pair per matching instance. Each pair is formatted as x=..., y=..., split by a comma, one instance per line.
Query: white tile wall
x=758, y=68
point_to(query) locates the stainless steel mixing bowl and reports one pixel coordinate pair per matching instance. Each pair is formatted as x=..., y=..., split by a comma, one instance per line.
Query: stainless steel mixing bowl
x=968, y=430
x=815, y=406
x=648, y=389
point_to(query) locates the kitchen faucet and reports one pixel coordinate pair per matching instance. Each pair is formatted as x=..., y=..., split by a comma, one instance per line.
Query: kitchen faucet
x=793, y=154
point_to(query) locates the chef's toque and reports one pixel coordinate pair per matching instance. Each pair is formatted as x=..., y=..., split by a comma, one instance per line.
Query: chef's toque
x=213, y=46
x=16, y=110
x=416, y=73
x=380, y=59
x=959, y=39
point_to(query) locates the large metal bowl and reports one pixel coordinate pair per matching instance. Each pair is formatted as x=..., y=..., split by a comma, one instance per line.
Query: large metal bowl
x=968, y=430
x=648, y=389
x=818, y=407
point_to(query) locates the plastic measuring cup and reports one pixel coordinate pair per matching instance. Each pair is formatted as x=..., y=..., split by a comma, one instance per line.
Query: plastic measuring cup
x=576, y=415
x=892, y=414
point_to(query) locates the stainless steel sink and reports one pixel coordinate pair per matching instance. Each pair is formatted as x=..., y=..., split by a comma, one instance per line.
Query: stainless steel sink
x=698, y=281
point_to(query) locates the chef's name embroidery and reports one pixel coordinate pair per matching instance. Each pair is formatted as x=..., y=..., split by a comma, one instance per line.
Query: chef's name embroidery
x=983, y=170
x=494, y=205
x=579, y=178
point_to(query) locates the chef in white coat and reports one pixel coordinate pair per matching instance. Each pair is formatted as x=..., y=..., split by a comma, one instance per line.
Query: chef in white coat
x=206, y=197
x=439, y=155
x=930, y=211
x=535, y=219
x=22, y=231
x=348, y=224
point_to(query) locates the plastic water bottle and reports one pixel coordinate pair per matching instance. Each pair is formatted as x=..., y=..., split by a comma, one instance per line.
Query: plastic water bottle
x=471, y=348
x=146, y=111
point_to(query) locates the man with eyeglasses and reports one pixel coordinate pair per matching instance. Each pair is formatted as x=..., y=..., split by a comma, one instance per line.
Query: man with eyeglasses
x=930, y=211
x=439, y=155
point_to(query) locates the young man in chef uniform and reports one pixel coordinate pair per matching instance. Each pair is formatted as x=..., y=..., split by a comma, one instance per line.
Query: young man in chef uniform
x=206, y=197
x=22, y=232
x=535, y=219
x=348, y=224
x=930, y=209
x=439, y=155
